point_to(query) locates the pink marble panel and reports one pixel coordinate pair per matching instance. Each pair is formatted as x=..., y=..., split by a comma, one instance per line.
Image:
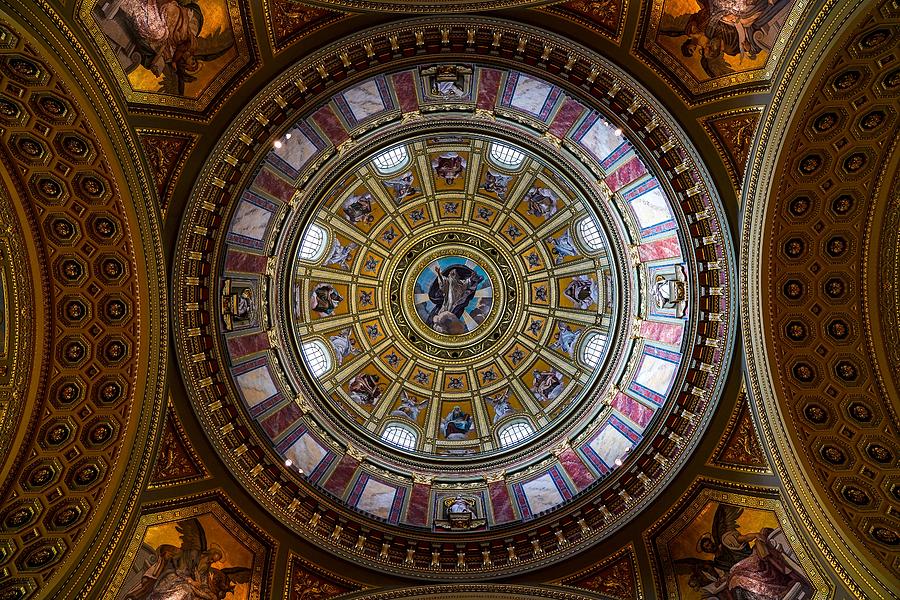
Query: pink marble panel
x=629, y=171
x=668, y=333
x=417, y=513
x=330, y=125
x=276, y=423
x=341, y=475
x=634, y=410
x=241, y=262
x=246, y=344
x=273, y=185
x=488, y=86
x=501, y=503
x=578, y=473
x=659, y=249
x=405, y=88
x=566, y=117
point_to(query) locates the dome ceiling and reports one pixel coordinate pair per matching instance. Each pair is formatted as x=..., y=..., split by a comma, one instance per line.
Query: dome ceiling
x=455, y=296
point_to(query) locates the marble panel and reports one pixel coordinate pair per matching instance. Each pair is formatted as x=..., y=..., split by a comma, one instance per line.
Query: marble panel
x=269, y=183
x=364, y=100
x=660, y=249
x=578, y=473
x=488, y=88
x=542, y=493
x=377, y=498
x=306, y=453
x=650, y=208
x=600, y=140
x=256, y=385
x=341, y=475
x=417, y=512
x=610, y=444
x=330, y=125
x=405, y=88
x=501, y=503
x=530, y=95
x=250, y=220
x=296, y=151
x=638, y=413
x=247, y=344
x=241, y=262
x=279, y=421
x=667, y=333
x=629, y=171
x=655, y=374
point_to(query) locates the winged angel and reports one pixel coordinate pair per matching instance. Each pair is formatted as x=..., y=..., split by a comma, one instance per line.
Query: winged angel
x=185, y=572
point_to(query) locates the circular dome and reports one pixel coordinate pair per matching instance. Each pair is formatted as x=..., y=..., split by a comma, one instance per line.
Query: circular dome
x=453, y=293
x=437, y=298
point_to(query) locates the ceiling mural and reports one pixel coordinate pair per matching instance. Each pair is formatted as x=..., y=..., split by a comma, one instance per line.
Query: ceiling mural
x=706, y=48
x=170, y=54
x=729, y=543
x=202, y=550
x=365, y=297
x=453, y=299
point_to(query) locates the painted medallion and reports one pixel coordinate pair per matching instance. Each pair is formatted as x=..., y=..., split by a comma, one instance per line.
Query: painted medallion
x=453, y=295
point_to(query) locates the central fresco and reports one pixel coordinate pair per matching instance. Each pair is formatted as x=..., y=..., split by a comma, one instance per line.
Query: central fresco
x=453, y=295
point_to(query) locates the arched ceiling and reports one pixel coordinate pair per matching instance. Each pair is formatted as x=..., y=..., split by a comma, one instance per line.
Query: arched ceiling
x=148, y=173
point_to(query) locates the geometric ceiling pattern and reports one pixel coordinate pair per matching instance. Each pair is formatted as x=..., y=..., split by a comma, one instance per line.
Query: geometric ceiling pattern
x=455, y=291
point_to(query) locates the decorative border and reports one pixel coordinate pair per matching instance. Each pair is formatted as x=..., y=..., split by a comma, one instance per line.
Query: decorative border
x=859, y=578
x=707, y=122
x=743, y=402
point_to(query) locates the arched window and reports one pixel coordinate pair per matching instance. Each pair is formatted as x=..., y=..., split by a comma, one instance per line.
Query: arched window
x=317, y=357
x=401, y=436
x=312, y=247
x=592, y=350
x=506, y=156
x=391, y=160
x=514, y=432
x=590, y=234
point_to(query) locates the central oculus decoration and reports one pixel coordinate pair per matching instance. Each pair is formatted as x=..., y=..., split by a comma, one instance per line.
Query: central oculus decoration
x=453, y=295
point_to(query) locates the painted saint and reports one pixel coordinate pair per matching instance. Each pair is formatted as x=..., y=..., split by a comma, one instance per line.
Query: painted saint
x=343, y=344
x=566, y=339
x=365, y=388
x=500, y=404
x=186, y=572
x=542, y=202
x=358, y=208
x=457, y=424
x=562, y=246
x=325, y=299
x=449, y=166
x=582, y=291
x=496, y=183
x=402, y=186
x=547, y=385
x=340, y=254
x=409, y=407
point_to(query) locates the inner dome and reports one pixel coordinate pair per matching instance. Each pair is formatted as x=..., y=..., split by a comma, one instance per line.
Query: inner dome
x=453, y=295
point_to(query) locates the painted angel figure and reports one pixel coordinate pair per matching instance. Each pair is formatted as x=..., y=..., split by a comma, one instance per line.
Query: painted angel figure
x=340, y=255
x=582, y=291
x=547, y=385
x=402, y=186
x=365, y=388
x=500, y=403
x=497, y=183
x=186, y=572
x=566, y=339
x=409, y=408
x=344, y=346
x=562, y=246
x=358, y=209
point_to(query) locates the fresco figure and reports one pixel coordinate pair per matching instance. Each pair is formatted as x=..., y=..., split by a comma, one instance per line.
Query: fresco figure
x=457, y=424
x=340, y=255
x=325, y=299
x=496, y=183
x=501, y=405
x=365, y=388
x=163, y=36
x=562, y=246
x=449, y=166
x=566, y=339
x=757, y=565
x=582, y=291
x=547, y=385
x=724, y=27
x=344, y=346
x=450, y=307
x=541, y=202
x=402, y=186
x=409, y=407
x=186, y=572
x=358, y=209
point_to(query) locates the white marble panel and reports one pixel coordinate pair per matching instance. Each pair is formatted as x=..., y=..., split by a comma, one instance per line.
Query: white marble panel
x=306, y=453
x=655, y=374
x=610, y=445
x=530, y=95
x=651, y=208
x=542, y=493
x=364, y=100
x=377, y=499
x=250, y=220
x=296, y=151
x=256, y=385
x=600, y=140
